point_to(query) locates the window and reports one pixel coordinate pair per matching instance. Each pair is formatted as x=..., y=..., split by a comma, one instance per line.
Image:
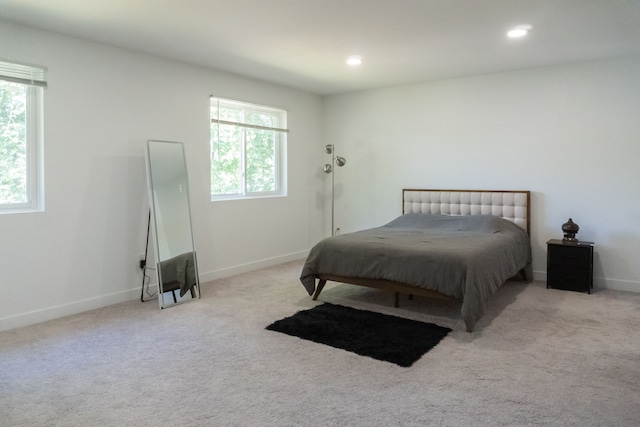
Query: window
x=21, y=188
x=248, y=150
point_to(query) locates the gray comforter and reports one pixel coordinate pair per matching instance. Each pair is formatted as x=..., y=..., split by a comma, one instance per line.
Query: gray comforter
x=466, y=257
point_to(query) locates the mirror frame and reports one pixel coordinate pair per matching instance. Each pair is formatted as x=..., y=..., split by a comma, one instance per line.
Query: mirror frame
x=153, y=206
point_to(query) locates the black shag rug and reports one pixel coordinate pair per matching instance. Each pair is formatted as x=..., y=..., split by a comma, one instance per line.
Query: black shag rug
x=382, y=337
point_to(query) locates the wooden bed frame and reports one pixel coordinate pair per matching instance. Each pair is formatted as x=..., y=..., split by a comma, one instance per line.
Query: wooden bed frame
x=514, y=206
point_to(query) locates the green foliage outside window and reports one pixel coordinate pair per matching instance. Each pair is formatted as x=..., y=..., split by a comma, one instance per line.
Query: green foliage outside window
x=13, y=143
x=244, y=155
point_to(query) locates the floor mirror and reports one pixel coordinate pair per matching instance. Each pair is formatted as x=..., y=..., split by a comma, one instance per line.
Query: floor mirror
x=170, y=223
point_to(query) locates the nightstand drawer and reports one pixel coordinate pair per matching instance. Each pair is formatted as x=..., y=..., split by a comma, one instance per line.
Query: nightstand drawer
x=569, y=278
x=575, y=256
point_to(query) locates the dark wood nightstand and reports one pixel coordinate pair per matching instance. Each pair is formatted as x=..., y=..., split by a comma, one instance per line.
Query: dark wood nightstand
x=570, y=265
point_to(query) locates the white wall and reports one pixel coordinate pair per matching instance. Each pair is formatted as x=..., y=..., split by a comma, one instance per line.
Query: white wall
x=101, y=106
x=570, y=134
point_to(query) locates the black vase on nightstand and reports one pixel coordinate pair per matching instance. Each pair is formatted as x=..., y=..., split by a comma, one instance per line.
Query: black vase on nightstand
x=570, y=230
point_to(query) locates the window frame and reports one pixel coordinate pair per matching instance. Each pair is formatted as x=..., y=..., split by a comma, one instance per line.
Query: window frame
x=33, y=152
x=280, y=149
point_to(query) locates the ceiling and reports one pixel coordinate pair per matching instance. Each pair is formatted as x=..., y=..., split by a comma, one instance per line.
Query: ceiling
x=305, y=43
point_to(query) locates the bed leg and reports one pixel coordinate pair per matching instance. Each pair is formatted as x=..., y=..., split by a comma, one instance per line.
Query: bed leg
x=469, y=326
x=523, y=274
x=396, y=303
x=321, y=284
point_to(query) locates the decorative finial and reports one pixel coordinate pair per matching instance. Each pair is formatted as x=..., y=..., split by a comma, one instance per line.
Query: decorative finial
x=570, y=229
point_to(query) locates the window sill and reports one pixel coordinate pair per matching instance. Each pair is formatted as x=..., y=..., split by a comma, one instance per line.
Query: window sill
x=252, y=197
x=20, y=211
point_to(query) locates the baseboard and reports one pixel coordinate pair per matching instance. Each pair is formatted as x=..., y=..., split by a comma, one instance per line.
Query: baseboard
x=50, y=313
x=616, y=285
x=601, y=283
x=256, y=265
x=540, y=276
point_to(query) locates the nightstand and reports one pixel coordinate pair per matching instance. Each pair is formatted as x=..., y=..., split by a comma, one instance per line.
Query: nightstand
x=570, y=265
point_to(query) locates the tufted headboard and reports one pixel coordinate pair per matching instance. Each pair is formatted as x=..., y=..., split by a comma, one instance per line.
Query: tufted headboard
x=511, y=205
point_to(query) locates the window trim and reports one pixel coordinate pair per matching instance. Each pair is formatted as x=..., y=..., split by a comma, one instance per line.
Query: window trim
x=34, y=80
x=26, y=74
x=280, y=151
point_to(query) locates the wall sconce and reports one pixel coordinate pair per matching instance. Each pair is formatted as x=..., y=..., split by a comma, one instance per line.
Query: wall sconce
x=328, y=168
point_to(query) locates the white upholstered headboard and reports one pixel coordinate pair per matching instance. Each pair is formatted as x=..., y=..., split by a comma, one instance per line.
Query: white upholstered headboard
x=511, y=205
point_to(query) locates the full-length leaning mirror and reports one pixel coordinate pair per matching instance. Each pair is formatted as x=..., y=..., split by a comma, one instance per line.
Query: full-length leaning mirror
x=176, y=262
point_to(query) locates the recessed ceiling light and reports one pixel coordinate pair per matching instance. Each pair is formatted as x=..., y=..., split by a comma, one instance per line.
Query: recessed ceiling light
x=354, y=60
x=519, y=31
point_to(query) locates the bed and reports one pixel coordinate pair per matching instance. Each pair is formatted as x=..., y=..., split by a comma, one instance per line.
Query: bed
x=460, y=244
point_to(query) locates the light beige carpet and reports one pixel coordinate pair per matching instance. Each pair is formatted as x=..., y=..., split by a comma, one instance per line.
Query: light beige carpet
x=538, y=357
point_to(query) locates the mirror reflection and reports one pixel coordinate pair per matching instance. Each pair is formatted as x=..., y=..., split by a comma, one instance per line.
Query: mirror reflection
x=176, y=262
